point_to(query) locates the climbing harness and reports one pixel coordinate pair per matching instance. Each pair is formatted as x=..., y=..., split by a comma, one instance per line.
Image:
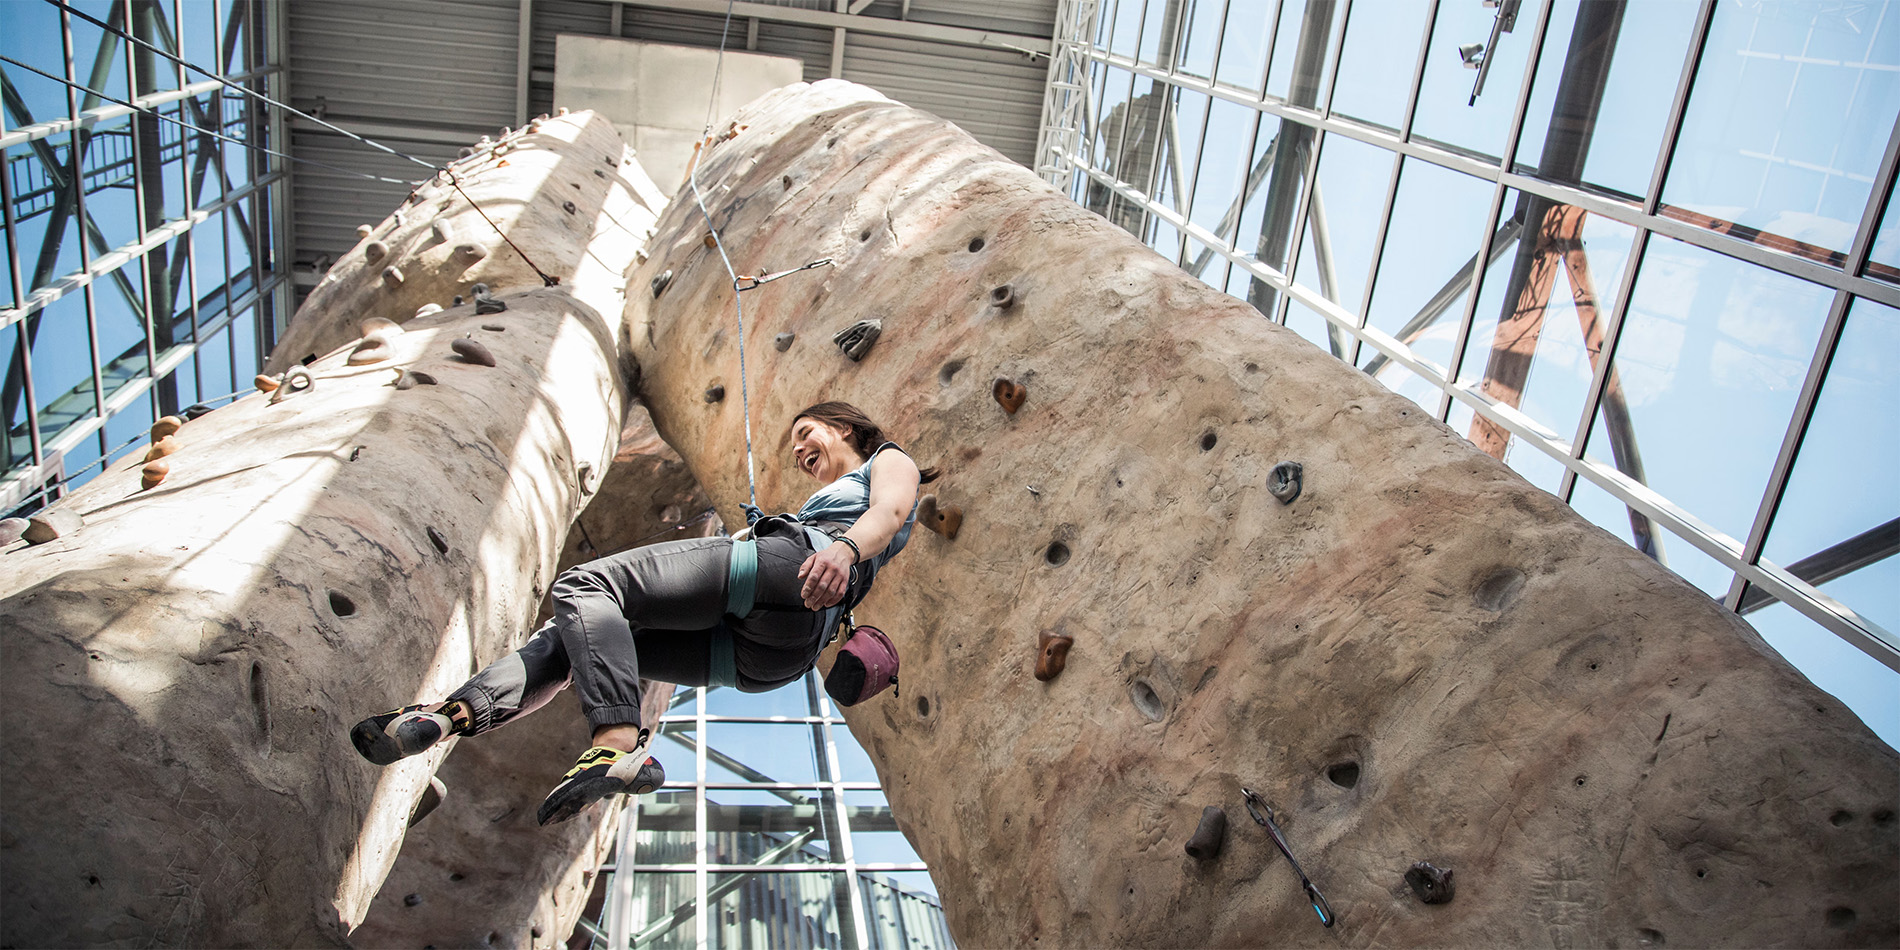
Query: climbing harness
x=1254, y=807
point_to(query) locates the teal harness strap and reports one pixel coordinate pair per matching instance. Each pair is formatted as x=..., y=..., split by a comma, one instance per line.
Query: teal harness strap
x=742, y=585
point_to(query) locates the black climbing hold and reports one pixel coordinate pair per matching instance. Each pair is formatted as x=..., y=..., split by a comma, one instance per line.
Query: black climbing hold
x=484, y=304
x=1840, y=917
x=341, y=604
x=494, y=327
x=472, y=352
x=856, y=339
x=195, y=410
x=660, y=282
x=411, y=900
x=458, y=300
x=1432, y=884
x=1284, y=482
x=976, y=244
x=599, y=174
x=1343, y=774
x=783, y=341
x=568, y=206
x=1209, y=836
x=1208, y=439
x=785, y=180
x=1003, y=298
x=436, y=540
x=715, y=393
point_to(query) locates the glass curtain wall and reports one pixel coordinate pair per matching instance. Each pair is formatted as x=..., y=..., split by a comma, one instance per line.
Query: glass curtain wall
x=1639, y=251
x=143, y=235
x=771, y=832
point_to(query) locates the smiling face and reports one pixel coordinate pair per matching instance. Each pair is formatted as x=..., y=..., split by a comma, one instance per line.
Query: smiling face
x=823, y=450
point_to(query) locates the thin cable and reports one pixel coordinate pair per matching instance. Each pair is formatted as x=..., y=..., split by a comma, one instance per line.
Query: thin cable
x=231, y=85
x=752, y=510
x=547, y=280
x=201, y=131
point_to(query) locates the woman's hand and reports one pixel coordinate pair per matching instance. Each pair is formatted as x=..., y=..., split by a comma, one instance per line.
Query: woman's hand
x=826, y=575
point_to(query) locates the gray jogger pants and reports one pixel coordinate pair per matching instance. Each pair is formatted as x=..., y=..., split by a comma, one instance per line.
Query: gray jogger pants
x=652, y=611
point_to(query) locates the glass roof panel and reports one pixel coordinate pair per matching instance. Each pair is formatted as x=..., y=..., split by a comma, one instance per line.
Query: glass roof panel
x=1296, y=79
x=1711, y=358
x=1688, y=561
x=1884, y=260
x=1843, y=481
x=1446, y=113
x=1871, y=690
x=1437, y=223
x=1375, y=68
x=1243, y=48
x=1230, y=129
x=1350, y=200
x=1203, y=35
x=1790, y=114
x=1126, y=35
x=1527, y=460
x=1630, y=55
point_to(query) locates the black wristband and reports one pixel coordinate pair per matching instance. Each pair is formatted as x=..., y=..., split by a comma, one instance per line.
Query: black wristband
x=857, y=555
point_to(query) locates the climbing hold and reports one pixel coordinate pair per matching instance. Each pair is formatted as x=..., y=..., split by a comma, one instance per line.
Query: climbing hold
x=51, y=524
x=363, y=231
x=11, y=529
x=380, y=327
x=1209, y=836
x=375, y=251
x=660, y=282
x=428, y=308
x=494, y=327
x=561, y=111
x=166, y=426
x=944, y=519
x=392, y=276
x=472, y=352
x=195, y=410
x=471, y=252
x=715, y=393
x=264, y=383
x=856, y=339
x=569, y=207
x=374, y=348
x=442, y=230
x=709, y=240
x=458, y=301
x=783, y=341
x=1052, y=654
x=485, y=304
x=584, y=478
x=1003, y=298
x=296, y=380
x=1284, y=482
x=411, y=900
x=396, y=217
x=1433, y=885
x=479, y=289
x=431, y=798
x=1009, y=394
x=161, y=448
x=410, y=379
x=153, y=473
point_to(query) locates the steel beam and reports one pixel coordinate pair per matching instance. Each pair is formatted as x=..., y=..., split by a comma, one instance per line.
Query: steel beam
x=827, y=19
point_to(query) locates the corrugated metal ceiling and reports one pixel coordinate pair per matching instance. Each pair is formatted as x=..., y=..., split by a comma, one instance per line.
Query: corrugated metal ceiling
x=427, y=76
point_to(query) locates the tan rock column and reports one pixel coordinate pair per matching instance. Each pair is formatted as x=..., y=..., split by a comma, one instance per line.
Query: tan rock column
x=181, y=671
x=1419, y=658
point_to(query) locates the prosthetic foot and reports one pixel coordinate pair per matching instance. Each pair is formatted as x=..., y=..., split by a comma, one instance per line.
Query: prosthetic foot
x=599, y=773
x=401, y=733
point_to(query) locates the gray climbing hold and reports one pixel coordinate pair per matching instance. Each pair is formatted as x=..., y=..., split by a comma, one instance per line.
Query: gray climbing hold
x=471, y=351
x=1003, y=298
x=660, y=282
x=1212, y=832
x=296, y=380
x=1284, y=482
x=494, y=327
x=569, y=207
x=11, y=529
x=784, y=341
x=52, y=524
x=442, y=230
x=432, y=797
x=375, y=251
x=1432, y=884
x=471, y=252
x=485, y=304
x=410, y=379
x=392, y=276
x=363, y=231
x=856, y=339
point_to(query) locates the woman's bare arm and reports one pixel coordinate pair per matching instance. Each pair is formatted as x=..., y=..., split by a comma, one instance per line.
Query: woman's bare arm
x=894, y=481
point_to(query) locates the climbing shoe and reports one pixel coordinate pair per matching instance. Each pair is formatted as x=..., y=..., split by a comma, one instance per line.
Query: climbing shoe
x=599, y=773
x=404, y=732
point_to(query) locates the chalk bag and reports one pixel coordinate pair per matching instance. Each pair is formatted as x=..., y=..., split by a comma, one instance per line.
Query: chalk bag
x=866, y=666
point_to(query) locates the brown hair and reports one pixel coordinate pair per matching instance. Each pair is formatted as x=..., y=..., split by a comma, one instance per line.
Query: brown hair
x=864, y=435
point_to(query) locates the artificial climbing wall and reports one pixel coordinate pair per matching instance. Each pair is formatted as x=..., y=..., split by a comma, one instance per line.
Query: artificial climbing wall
x=1412, y=655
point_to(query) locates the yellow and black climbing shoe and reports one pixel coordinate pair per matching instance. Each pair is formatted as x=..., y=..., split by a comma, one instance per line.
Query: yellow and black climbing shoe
x=599, y=773
x=404, y=732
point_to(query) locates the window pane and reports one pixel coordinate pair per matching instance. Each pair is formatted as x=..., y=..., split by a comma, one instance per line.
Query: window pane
x=1243, y=48
x=1868, y=688
x=1205, y=265
x=1299, y=79
x=1166, y=240
x=1316, y=330
x=1540, y=315
x=1842, y=484
x=62, y=364
x=121, y=328
x=1424, y=271
x=1160, y=32
x=798, y=909
x=1711, y=358
x=1612, y=137
x=1375, y=68
x=1203, y=33
x=1250, y=236
x=785, y=701
x=1130, y=137
x=1410, y=385
x=1791, y=110
x=1223, y=150
x=756, y=827
x=1445, y=111
x=1190, y=116
x=874, y=835
x=663, y=909
x=1527, y=460
x=1687, y=560
x=1127, y=30
x=16, y=445
x=1343, y=219
x=1884, y=260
